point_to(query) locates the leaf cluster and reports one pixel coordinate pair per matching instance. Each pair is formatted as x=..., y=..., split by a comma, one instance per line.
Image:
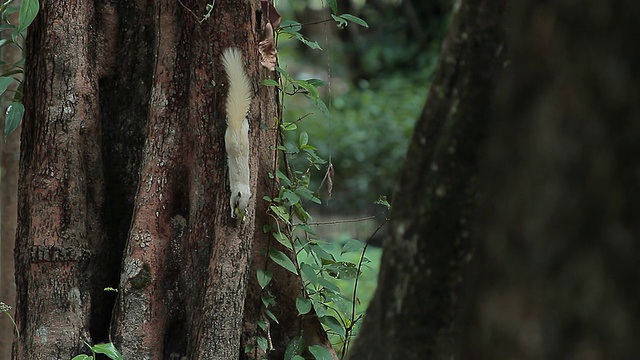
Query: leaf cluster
x=27, y=12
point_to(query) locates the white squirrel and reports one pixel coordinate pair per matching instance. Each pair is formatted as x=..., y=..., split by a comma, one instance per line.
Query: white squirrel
x=236, y=137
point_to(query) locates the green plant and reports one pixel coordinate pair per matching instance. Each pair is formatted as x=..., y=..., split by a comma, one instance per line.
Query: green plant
x=27, y=13
x=291, y=226
x=107, y=349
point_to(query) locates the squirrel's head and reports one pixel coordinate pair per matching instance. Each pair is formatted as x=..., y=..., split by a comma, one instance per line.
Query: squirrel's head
x=240, y=201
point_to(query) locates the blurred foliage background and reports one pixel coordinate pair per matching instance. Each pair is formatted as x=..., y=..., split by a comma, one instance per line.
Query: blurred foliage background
x=377, y=77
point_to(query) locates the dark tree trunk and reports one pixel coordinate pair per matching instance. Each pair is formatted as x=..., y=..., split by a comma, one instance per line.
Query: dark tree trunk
x=124, y=182
x=556, y=275
x=413, y=313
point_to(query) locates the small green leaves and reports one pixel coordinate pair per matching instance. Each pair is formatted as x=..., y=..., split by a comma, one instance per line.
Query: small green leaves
x=283, y=260
x=14, y=114
x=292, y=28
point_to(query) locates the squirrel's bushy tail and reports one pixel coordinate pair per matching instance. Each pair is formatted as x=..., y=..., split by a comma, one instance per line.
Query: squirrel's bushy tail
x=239, y=96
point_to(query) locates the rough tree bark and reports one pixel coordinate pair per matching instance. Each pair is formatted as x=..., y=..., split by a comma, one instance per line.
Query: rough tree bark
x=413, y=312
x=123, y=182
x=557, y=270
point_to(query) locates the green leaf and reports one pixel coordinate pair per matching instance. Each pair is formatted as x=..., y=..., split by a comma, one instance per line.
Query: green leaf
x=303, y=139
x=341, y=23
x=82, y=357
x=280, y=212
x=4, y=83
x=333, y=324
x=267, y=300
x=4, y=42
x=289, y=126
x=333, y=4
x=328, y=285
x=311, y=90
x=28, y=11
x=290, y=197
x=303, y=305
x=283, y=239
x=262, y=324
x=355, y=20
x=271, y=316
x=282, y=176
x=321, y=253
x=262, y=343
x=4, y=27
x=316, y=82
x=283, y=260
x=108, y=349
x=320, y=353
x=297, y=357
x=264, y=277
x=294, y=348
x=323, y=108
x=289, y=26
x=270, y=82
x=307, y=194
x=15, y=111
x=310, y=273
x=343, y=270
x=352, y=245
x=17, y=96
x=8, y=11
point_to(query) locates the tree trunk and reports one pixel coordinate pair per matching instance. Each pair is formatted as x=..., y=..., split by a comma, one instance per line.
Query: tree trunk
x=556, y=275
x=124, y=181
x=414, y=310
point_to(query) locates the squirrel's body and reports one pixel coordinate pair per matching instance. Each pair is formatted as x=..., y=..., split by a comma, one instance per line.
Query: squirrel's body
x=236, y=137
